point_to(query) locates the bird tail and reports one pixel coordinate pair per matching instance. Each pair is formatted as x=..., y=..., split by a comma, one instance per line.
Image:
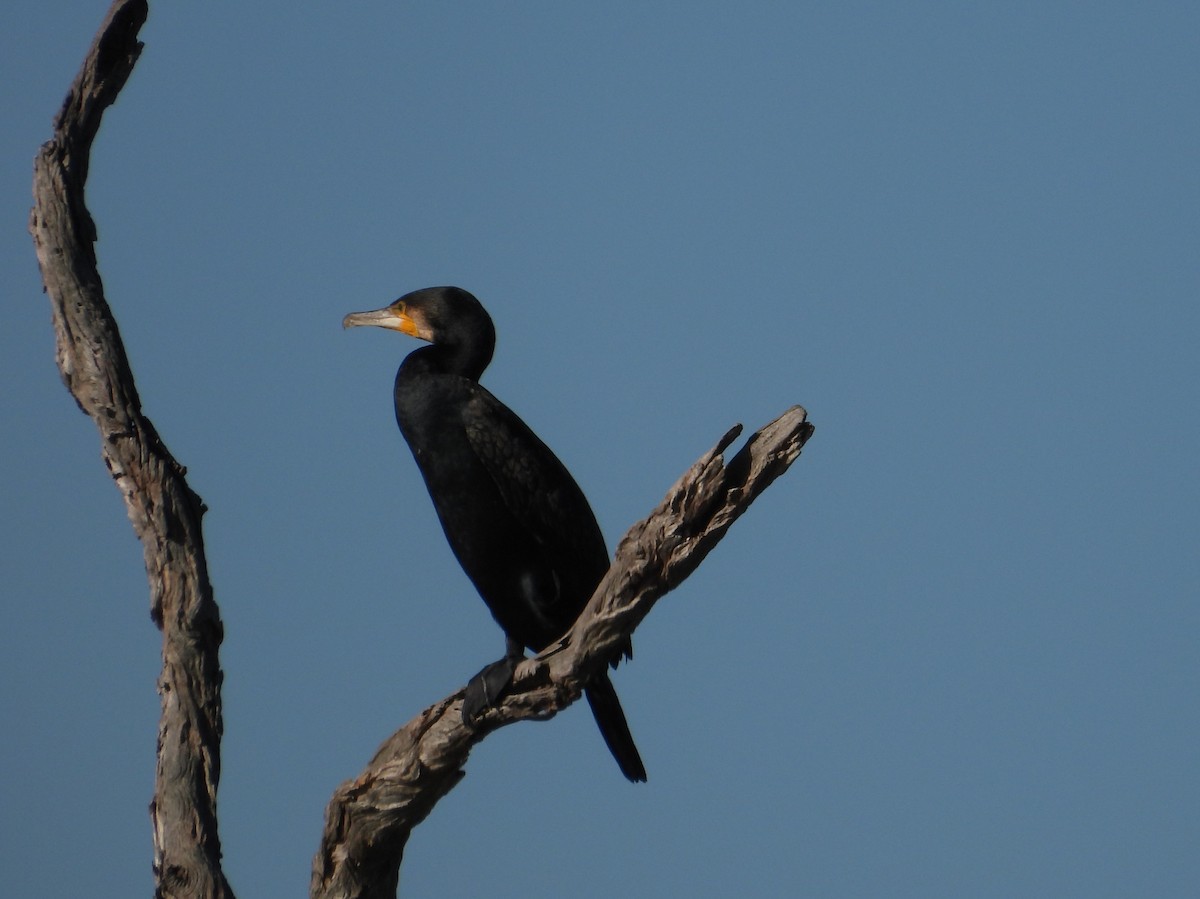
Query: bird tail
x=610, y=718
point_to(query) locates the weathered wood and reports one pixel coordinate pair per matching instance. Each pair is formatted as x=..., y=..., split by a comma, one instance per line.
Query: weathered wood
x=369, y=819
x=164, y=511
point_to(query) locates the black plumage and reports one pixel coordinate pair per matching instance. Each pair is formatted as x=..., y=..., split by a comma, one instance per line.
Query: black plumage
x=515, y=518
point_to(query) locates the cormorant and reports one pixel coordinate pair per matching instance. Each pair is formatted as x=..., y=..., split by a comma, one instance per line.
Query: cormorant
x=515, y=518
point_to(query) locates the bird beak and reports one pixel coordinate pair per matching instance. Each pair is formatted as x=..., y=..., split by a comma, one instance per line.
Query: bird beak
x=388, y=317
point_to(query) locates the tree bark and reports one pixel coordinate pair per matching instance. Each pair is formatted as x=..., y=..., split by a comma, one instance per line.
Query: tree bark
x=369, y=819
x=165, y=512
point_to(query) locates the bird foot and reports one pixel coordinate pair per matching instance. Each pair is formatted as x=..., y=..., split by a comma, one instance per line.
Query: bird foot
x=486, y=687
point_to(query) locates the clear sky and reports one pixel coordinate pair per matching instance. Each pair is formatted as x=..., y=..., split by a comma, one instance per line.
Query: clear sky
x=954, y=652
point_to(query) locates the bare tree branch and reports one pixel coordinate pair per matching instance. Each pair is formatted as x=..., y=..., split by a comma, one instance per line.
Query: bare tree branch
x=369, y=819
x=164, y=511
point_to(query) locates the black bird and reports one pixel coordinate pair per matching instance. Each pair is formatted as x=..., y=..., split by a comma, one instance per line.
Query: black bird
x=517, y=521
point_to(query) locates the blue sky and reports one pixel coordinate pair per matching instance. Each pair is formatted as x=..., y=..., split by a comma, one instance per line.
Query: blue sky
x=953, y=652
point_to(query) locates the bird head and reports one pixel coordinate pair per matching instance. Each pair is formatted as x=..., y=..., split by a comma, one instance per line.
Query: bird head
x=448, y=317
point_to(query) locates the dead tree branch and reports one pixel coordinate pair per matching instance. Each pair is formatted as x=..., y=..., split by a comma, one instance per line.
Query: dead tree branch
x=369, y=819
x=164, y=511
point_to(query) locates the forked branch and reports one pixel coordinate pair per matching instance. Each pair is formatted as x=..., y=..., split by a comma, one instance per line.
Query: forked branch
x=368, y=820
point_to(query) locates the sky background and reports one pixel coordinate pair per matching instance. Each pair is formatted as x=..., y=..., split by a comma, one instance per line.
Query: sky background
x=955, y=651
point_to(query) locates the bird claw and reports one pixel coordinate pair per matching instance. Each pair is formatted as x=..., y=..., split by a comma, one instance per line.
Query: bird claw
x=485, y=688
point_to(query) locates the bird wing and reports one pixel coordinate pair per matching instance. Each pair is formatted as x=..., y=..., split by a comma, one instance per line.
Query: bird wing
x=534, y=485
x=544, y=499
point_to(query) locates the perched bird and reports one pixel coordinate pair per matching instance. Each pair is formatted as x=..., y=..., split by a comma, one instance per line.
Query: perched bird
x=515, y=518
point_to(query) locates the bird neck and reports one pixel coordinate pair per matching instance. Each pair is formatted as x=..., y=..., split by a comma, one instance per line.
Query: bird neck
x=464, y=360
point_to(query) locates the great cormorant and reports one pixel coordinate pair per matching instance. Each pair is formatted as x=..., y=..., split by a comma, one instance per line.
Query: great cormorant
x=515, y=518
